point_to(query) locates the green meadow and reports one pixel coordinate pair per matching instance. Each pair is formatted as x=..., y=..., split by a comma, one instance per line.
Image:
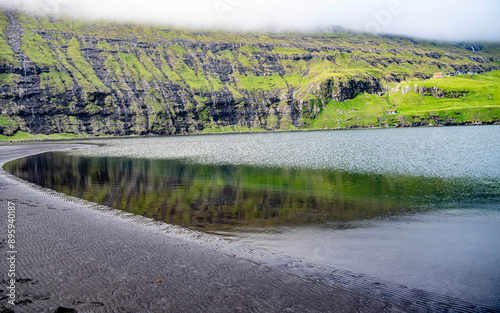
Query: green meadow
x=467, y=99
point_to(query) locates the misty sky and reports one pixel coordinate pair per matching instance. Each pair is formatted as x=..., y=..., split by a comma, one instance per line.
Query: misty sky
x=456, y=20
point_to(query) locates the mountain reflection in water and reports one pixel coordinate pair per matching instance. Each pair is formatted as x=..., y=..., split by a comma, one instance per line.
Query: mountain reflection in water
x=214, y=197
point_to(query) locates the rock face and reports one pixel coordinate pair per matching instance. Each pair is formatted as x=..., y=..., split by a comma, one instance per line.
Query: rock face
x=342, y=91
x=433, y=91
x=63, y=76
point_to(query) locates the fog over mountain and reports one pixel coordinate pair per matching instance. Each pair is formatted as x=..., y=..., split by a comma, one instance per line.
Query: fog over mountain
x=455, y=20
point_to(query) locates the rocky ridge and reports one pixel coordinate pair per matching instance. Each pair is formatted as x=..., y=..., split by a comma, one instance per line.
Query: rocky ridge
x=65, y=76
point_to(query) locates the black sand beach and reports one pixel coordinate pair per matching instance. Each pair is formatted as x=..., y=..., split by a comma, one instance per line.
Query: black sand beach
x=70, y=254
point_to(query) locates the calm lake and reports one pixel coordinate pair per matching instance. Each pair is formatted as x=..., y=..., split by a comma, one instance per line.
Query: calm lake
x=416, y=207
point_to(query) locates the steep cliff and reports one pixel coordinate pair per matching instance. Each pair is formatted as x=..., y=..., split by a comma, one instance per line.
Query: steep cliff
x=67, y=76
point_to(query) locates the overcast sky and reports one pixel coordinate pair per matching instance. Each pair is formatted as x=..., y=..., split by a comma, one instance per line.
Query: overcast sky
x=456, y=20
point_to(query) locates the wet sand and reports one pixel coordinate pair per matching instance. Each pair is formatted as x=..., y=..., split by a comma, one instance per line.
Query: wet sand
x=77, y=255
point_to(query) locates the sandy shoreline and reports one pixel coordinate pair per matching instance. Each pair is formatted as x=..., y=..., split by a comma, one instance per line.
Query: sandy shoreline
x=72, y=256
x=78, y=255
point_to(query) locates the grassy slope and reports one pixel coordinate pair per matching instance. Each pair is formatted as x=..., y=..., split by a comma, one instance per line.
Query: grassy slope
x=479, y=101
x=339, y=55
x=305, y=62
x=25, y=136
x=6, y=54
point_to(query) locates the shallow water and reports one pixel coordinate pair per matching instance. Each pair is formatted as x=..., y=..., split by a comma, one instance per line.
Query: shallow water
x=449, y=252
x=417, y=207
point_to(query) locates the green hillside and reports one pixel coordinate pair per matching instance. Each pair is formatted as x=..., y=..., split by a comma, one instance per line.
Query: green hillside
x=466, y=99
x=61, y=77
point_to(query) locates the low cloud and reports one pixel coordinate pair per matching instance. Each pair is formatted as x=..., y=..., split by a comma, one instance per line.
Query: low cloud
x=459, y=20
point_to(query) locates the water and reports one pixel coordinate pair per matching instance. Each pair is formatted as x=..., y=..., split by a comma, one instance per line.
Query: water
x=452, y=252
x=416, y=207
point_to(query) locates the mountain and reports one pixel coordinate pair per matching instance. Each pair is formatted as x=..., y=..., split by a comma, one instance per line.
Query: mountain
x=63, y=76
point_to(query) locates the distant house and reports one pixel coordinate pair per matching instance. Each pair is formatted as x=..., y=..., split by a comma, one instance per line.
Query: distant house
x=438, y=75
x=449, y=74
x=392, y=112
x=470, y=73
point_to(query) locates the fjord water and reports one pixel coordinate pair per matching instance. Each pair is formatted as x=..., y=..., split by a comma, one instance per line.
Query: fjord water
x=416, y=207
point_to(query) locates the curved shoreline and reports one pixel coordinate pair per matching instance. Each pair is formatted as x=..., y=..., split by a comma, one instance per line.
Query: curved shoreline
x=80, y=255
x=73, y=255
